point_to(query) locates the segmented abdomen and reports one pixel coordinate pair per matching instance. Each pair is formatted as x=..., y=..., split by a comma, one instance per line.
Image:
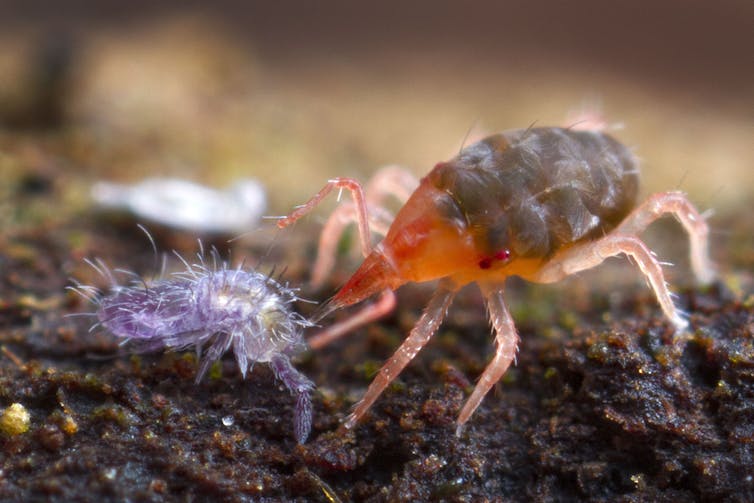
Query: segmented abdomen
x=533, y=191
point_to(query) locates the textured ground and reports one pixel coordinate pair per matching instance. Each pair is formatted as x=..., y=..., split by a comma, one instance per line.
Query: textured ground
x=601, y=405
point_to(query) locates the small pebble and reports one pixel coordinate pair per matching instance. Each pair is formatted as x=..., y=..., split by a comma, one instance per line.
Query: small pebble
x=15, y=420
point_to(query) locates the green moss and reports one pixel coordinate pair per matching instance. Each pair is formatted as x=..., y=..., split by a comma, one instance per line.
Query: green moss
x=551, y=373
x=398, y=386
x=369, y=368
x=216, y=370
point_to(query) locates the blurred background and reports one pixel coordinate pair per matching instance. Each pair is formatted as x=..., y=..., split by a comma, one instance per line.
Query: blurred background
x=293, y=93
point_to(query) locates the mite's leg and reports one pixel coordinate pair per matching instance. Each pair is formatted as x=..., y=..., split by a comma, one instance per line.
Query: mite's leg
x=365, y=315
x=506, y=338
x=681, y=208
x=345, y=214
x=358, y=198
x=587, y=117
x=389, y=181
x=588, y=255
x=426, y=326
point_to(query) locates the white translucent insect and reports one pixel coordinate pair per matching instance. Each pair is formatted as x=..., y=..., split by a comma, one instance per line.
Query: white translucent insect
x=182, y=204
x=212, y=309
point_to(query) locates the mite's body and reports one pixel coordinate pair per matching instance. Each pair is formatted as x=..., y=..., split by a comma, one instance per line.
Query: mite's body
x=539, y=203
x=505, y=205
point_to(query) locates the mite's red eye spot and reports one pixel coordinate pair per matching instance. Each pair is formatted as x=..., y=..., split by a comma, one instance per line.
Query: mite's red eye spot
x=504, y=254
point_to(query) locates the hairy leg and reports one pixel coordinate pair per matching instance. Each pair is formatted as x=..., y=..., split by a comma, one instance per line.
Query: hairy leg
x=676, y=204
x=367, y=212
x=587, y=117
x=591, y=254
x=426, y=326
x=300, y=386
x=360, y=206
x=506, y=338
x=344, y=215
x=366, y=314
x=390, y=181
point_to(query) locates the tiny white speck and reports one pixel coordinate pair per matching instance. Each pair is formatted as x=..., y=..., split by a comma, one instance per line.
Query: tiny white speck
x=228, y=421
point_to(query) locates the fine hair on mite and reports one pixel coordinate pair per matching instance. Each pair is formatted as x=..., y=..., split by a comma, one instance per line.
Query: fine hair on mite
x=212, y=308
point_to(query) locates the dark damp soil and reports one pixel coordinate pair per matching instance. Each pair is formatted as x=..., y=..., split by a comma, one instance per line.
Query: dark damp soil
x=601, y=405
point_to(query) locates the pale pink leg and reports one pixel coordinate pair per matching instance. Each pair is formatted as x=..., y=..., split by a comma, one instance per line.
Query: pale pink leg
x=591, y=254
x=365, y=315
x=389, y=181
x=588, y=117
x=341, y=217
x=358, y=198
x=679, y=206
x=506, y=338
x=419, y=336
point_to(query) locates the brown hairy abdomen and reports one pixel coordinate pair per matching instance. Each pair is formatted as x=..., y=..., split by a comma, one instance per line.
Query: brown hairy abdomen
x=534, y=191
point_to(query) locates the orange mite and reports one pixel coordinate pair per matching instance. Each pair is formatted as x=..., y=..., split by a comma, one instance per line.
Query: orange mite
x=540, y=203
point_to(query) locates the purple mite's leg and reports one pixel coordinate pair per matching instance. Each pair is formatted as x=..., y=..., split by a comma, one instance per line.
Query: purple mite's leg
x=419, y=336
x=216, y=350
x=679, y=206
x=300, y=386
x=506, y=338
x=591, y=254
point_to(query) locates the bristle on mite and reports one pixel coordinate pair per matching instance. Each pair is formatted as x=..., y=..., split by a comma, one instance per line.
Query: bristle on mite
x=212, y=309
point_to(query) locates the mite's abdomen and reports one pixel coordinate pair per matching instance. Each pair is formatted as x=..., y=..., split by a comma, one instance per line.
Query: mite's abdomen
x=534, y=191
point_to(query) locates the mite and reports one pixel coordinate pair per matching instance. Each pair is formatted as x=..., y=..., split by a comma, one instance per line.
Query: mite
x=540, y=203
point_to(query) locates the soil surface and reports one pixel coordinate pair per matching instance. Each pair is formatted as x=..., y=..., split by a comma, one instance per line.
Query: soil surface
x=602, y=405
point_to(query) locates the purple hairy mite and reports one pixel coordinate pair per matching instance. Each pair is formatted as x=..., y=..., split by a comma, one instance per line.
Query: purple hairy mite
x=216, y=308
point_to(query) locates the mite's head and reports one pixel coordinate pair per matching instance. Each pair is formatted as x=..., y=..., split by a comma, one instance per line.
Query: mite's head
x=374, y=275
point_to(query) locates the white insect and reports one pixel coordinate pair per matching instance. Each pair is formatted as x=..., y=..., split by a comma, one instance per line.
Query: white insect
x=186, y=205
